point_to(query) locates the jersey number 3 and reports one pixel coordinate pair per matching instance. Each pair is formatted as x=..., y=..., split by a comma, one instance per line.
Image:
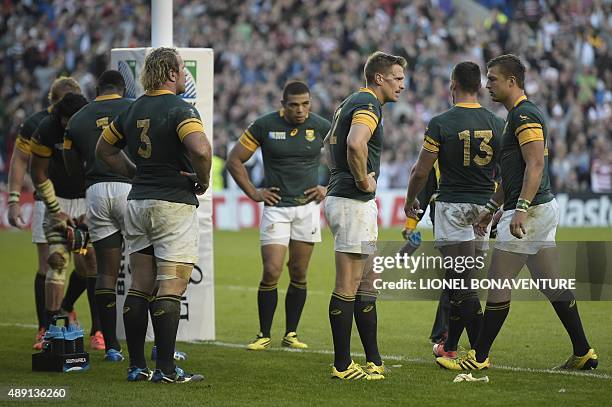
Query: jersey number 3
x=145, y=147
x=485, y=147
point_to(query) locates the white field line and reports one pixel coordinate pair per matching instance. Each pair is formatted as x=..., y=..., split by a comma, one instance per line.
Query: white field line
x=399, y=358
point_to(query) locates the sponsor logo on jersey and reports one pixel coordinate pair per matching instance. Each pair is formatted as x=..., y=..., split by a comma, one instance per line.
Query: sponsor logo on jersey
x=310, y=135
x=294, y=132
x=277, y=135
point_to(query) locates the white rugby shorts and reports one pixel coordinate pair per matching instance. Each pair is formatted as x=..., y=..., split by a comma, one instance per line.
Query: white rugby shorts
x=541, y=229
x=281, y=224
x=170, y=227
x=353, y=223
x=106, y=208
x=454, y=222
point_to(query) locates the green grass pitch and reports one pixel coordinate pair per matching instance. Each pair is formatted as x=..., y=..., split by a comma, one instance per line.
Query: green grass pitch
x=531, y=342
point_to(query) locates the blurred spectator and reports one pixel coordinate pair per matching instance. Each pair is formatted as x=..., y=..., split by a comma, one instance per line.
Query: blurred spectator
x=560, y=168
x=260, y=44
x=601, y=167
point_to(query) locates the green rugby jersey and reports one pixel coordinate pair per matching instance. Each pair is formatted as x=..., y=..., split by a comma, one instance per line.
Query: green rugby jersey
x=290, y=153
x=27, y=129
x=153, y=129
x=525, y=123
x=48, y=142
x=83, y=131
x=361, y=107
x=467, y=139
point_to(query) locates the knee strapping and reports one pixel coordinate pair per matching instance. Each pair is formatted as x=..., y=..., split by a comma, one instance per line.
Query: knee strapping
x=57, y=261
x=169, y=270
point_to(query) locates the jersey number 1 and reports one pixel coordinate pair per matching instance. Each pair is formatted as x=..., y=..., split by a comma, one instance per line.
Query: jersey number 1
x=485, y=136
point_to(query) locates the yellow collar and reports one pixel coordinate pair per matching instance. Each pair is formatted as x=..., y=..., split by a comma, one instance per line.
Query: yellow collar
x=519, y=100
x=368, y=90
x=107, y=97
x=468, y=105
x=159, y=92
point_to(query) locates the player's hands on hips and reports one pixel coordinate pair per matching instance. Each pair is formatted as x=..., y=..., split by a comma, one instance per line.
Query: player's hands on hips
x=484, y=218
x=198, y=187
x=517, y=224
x=14, y=215
x=412, y=209
x=316, y=193
x=368, y=184
x=269, y=196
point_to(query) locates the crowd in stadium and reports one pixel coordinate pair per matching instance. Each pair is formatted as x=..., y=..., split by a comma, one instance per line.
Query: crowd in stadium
x=260, y=44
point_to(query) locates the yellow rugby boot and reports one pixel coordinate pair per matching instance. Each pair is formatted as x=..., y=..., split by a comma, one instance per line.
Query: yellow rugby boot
x=260, y=343
x=353, y=372
x=465, y=362
x=587, y=362
x=374, y=370
x=291, y=341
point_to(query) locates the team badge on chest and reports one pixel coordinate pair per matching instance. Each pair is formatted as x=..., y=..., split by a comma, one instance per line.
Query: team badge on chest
x=310, y=134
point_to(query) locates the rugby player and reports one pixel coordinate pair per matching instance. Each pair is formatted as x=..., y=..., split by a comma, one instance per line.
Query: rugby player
x=63, y=196
x=290, y=140
x=527, y=228
x=165, y=137
x=106, y=197
x=465, y=142
x=17, y=169
x=353, y=147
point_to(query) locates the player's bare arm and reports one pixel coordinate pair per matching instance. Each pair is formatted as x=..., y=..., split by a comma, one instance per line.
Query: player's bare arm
x=418, y=178
x=17, y=170
x=533, y=154
x=486, y=216
x=44, y=187
x=116, y=159
x=357, y=156
x=235, y=165
x=326, y=151
x=200, y=155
